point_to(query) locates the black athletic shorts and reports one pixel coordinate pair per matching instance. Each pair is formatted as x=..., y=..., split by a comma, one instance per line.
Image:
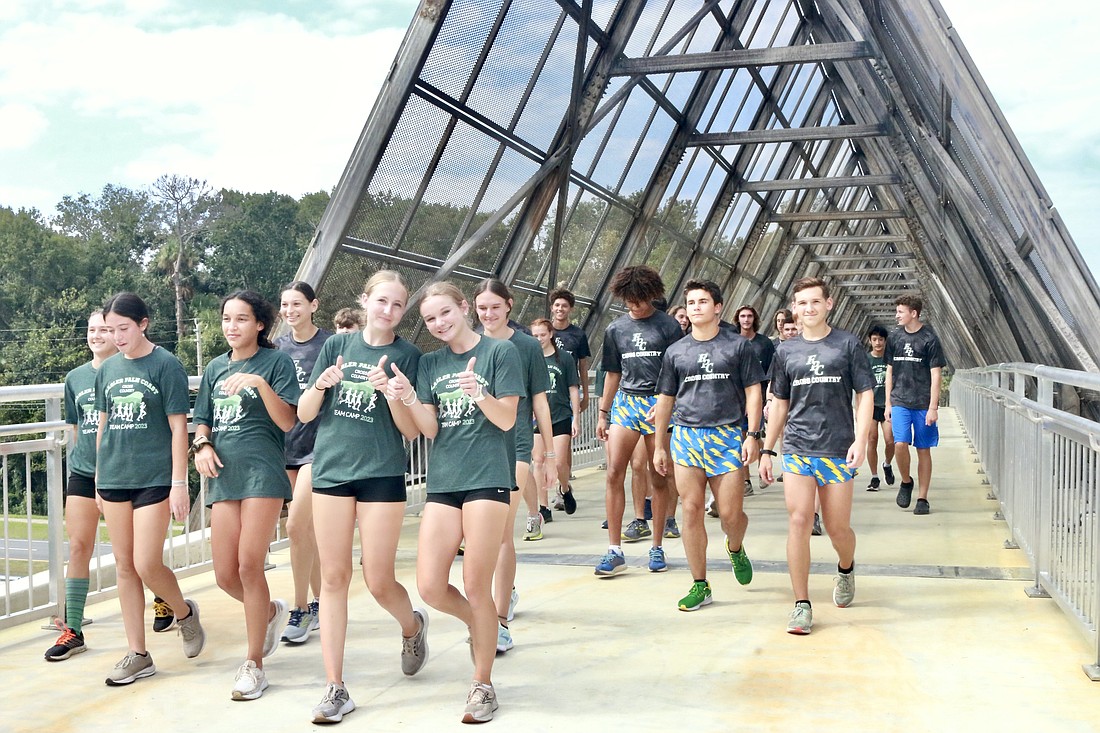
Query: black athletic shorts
x=79, y=485
x=457, y=499
x=138, y=497
x=880, y=413
x=381, y=489
x=562, y=427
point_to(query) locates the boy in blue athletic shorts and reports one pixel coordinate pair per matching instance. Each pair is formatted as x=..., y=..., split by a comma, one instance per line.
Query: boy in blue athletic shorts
x=914, y=366
x=710, y=382
x=813, y=378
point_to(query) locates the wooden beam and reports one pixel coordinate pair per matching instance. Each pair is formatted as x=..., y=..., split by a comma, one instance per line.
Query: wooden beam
x=887, y=256
x=808, y=216
x=875, y=271
x=850, y=239
x=799, y=184
x=810, y=53
x=882, y=287
x=788, y=135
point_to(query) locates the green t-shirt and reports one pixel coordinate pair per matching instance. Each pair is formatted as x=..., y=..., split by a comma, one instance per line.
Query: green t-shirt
x=356, y=435
x=248, y=442
x=535, y=381
x=138, y=395
x=470, y=452
x=563, y=375
x=80, y=411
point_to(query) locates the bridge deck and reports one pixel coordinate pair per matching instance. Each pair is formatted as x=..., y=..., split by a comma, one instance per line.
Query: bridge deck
x=941, y=637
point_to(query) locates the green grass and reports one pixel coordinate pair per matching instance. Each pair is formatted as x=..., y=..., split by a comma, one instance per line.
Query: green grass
x=17, y=529
x=18, y=568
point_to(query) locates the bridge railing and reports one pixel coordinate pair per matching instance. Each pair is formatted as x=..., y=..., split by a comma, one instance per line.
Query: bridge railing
x=1043, y=465
x=32, y=465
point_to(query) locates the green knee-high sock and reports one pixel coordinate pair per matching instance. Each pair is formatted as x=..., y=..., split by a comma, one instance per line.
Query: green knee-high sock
x=76, y=595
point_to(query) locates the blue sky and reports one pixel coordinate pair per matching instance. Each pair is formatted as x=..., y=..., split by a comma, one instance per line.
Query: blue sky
x=264, y=95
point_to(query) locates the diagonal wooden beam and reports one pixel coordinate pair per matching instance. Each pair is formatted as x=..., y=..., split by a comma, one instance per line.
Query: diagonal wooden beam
x=799, y=184
x=810, y=53
x=788, y=135
x=804, y=216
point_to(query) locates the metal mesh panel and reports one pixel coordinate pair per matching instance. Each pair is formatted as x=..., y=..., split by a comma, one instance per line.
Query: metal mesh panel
x=550, y=98
x=604, y=247
x=459, y=44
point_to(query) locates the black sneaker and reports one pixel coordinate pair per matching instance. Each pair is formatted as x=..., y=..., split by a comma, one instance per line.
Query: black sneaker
x=547, y=515
x=922, y=507
x=570, y=501
x=905, y=494
x=163, y=618
x=873, y=486
x=68, y=644
x=604, y=525
x=888, y=472
x=816, y=529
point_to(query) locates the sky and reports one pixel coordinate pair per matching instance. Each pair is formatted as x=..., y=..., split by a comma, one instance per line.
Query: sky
x=260, y=95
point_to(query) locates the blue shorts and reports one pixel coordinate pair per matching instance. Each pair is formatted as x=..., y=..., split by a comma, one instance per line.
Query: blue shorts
x=715, y=450
x=825, y=470
x=909, y=428
x=629, y=411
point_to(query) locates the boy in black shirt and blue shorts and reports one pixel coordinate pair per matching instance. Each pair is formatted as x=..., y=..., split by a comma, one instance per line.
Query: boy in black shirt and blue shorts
x=914, y=366
x=709, y=383
x=813, y=378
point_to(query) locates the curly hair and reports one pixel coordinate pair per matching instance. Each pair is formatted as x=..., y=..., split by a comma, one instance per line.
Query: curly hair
x=637, y=284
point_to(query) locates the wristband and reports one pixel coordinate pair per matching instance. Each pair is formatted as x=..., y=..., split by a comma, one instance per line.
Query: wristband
x=606, y=412
x=198, y=443
x=318, y=386
x=178, y=482
x=550, y=454
x=480, y=396
x=411, y=402
x=766, y=452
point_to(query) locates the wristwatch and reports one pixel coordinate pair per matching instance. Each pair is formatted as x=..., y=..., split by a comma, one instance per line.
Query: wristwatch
x=753, y=434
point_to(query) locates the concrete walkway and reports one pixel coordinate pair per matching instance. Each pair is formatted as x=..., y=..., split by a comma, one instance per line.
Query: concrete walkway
x=941, y=637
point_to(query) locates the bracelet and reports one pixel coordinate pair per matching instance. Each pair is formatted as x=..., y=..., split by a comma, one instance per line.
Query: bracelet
x=766, y=452
x=411, y=402
x=179, y=482
x=318, y=386
x=198, y=444
x=480, y=396
x=606, y=412
x=550, y=454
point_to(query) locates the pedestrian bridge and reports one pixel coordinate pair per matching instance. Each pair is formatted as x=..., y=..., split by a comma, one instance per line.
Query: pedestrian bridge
x=961, y=619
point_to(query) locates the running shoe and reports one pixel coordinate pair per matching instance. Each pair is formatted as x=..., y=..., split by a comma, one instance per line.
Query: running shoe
x=712, y=507
x=905, y=494
x=250, y=683
x=274, y=624
x=334, y=705
x=922, y=507
x=611, y=564
x=742, y=567
x=888, y=472
x=801, y=620
x=648, y=509
x=672, y=532
x=748, y=487
x=299, y=626
x=504, y=638
x=68, y=644
x=697, y=597
x=875, y=483
x=604, y=525
x=194, y=638
x=315, y=609
x=657, y=562
x=816, y=530
x=163, y=618
x=414, y=650
x=844, y=592
x=481, y=703
x=638, y=529
x=569, y=501
x=131, y=668
x=559, y=502
x=534, y=528
x=512, y=602
x=547, y=515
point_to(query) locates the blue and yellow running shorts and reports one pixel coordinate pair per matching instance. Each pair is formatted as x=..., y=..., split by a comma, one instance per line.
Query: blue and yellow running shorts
x=630, y=410
x=825, y=470
x=715, y=450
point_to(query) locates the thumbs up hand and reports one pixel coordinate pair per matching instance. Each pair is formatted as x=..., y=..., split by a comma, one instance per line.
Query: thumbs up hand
x=399, y=385
x=333, y=375
x=467, y=380
x=377, y=375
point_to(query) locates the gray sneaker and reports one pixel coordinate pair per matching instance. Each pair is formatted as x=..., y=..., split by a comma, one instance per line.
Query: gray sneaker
x=133, y=667
x=299, y=626
x=512, y=605
x=481, y=703
x=414, y=650
x=194, y=638
x=334, y=705
x=250, y=683
x=277, y=622
x=802, y=619
x=638, y=529
x=845, y=591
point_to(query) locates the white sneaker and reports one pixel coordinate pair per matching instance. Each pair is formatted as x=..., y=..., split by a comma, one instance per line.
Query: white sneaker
x=250, y=683
x=277, y=622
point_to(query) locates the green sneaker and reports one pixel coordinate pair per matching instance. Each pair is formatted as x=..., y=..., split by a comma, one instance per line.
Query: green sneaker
x=697, y=597
x=742, y=566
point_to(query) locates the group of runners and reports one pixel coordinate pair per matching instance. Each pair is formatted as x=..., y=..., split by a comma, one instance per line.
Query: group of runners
x=290, y=420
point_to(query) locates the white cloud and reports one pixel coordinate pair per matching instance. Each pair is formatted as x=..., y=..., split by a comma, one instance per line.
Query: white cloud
x=22, y=125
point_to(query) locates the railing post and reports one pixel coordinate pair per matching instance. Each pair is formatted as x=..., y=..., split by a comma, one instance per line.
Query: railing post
x=1045, y=489
x=55, y=511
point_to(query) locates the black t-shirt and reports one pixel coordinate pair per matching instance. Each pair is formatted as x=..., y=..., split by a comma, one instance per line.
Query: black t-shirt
x=573, y=340
x=764, y=349
x=634, y=348
x=709, y=379
x=299, y=441
x=912, y=356
x=818, y=378
x=878, y=369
